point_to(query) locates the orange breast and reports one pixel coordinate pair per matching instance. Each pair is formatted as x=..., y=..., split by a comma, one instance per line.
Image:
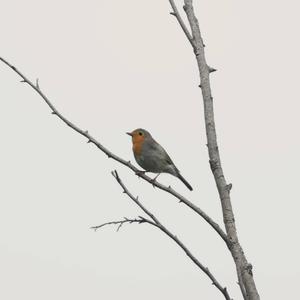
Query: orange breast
x=137, y=142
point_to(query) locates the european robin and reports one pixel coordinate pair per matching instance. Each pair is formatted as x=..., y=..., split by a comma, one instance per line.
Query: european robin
x=151, y=156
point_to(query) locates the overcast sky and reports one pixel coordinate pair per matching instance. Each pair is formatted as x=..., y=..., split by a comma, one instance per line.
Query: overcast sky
x=111, y=67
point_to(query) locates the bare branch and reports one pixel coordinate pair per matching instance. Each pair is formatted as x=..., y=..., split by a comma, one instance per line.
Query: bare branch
x=128, y=164
x=241, y=285
x=176, y=14
x=120, y=223
x=160, y=226
x=135, y=199
x=248, y=287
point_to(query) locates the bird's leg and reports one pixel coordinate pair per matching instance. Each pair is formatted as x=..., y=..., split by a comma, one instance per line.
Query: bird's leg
x=154, y=179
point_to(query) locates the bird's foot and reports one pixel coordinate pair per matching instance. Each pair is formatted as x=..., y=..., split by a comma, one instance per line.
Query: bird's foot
x=153, y=181
x=140, y=172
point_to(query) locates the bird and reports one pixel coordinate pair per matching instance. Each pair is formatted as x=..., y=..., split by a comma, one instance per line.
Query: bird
x=152, y=157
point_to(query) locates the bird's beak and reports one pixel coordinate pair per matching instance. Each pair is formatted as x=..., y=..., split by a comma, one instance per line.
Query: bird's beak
x=129, y=133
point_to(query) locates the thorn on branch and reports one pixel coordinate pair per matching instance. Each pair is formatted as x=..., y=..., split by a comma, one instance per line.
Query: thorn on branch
x=120, y=225
x=23, y=80
x=211, y=70
x=229, y=187
x=37, y=84
x=89, y=141
x=200, y=86
x=54, y=113
x=173, y=13
x=86, y=132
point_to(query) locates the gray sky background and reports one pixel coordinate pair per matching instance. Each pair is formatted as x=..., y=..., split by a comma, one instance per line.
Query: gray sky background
x=113, y=66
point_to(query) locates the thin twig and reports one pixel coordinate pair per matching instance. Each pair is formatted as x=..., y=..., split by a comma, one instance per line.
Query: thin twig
x=160, y=226
x=92, y=140
x=120, y=223
x=177, y=15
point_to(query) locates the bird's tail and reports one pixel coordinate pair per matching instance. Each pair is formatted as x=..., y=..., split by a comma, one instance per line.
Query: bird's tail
x=185, y=182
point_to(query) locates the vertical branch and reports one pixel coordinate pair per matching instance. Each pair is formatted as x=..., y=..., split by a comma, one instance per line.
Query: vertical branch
x=215, y=161
x=244, y=269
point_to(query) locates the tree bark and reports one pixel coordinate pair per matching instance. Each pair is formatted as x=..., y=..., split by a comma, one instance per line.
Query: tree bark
x=244, y=269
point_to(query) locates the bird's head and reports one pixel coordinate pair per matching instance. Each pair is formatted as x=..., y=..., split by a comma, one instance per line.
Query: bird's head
x=139, y=135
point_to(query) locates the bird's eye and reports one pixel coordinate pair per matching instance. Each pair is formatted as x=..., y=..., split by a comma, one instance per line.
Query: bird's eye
x=140, y=133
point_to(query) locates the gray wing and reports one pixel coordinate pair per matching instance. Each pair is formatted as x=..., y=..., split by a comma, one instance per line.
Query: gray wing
x=161, y=154
x=157, y=148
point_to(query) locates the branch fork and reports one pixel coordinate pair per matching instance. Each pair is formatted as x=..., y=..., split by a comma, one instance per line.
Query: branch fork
x=244, y=269
x=156, y=223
